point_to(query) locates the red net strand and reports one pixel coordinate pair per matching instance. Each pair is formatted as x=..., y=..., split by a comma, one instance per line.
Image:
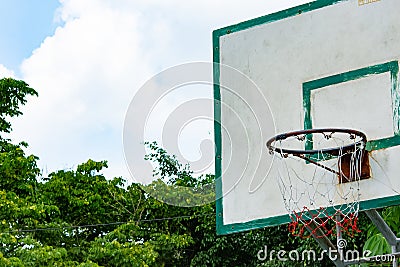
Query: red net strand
x=319, y=223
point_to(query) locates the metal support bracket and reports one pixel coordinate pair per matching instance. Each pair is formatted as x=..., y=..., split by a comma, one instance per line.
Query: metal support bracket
x=387, y=233
x=327, y=245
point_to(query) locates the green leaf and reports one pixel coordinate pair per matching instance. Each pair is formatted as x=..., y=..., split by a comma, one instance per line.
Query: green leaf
x=377, y=244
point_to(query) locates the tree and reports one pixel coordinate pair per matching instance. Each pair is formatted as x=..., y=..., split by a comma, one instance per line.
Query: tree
x=13, y=93
x=72, y=218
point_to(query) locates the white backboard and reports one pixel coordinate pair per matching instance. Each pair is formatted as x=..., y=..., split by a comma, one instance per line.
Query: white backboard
x=328, y=63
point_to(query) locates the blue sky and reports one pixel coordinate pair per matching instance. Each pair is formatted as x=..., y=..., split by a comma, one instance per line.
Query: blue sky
x=88, y=58
x=23, y=26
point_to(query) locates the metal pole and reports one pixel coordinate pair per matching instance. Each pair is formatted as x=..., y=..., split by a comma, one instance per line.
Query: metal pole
x=378, y=221
x=382, y=226
x=340, y=243
x=394, y=260
x=325, y=244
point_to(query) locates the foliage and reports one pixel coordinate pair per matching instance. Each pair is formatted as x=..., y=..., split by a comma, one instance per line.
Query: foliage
x=119, y=248
x=13, y=93
x=377, y=244
x=17, y=170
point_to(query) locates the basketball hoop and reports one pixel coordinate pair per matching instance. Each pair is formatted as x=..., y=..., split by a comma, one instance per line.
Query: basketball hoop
x=321, y=191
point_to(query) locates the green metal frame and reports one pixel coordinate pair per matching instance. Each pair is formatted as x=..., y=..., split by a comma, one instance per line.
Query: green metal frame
x=278, y=220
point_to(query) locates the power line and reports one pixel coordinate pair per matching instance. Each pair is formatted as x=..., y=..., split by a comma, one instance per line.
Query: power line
x=105, y=224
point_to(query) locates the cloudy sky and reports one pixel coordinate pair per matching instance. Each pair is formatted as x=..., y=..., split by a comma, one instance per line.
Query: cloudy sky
x=87, y=59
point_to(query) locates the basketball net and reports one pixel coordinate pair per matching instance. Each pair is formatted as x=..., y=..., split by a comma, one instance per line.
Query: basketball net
x=321, y=191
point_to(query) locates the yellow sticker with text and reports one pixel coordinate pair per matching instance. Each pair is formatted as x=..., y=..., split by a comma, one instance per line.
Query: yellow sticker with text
x=364, y=2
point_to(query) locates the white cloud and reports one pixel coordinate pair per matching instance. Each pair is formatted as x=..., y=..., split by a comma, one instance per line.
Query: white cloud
x=88, y=71
x=6, y=73
x=85, y=75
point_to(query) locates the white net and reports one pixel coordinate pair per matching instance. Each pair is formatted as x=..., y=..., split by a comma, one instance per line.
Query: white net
x=319, y=179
